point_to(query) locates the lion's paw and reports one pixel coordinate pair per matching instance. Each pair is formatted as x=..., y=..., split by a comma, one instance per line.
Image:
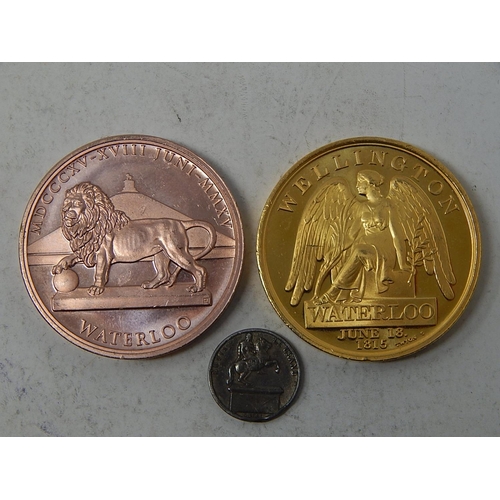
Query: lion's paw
x=150, y=284
x=95, y=290
x=60, y=267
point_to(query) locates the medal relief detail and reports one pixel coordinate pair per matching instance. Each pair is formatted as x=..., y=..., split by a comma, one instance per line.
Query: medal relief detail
x=252, y=356
x=101, y=235
x=254, y=375
x=369, y=249
x=131, y=246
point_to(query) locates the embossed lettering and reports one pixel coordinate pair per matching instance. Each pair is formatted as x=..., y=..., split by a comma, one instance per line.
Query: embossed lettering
x=215, y=197
x=182, y=162
x=169, y=156
x=294, y=366
x=63, y=177
x=338, y=166
x=168, y=331
x=158, y=150
x=398, y=163
x=286, y=202
x=379, y=156
x=421, y=170
x=395, y=332
x=193, y=167
x=87, y=328
x=36, y=226
x=317, y=311
x=82, y=161
x=371, y=344
x=141, y=339
x=47, y=198
x=113, y=337
x=183, y=323
x=448, y=203
x=410, y=312
x=154, y=340
x=435, y=187
x=102, y=337
x=392, y=307
x=40, y=212
x=222, y=211
x=102, y=153
x=358, y=333
x=206, y=184
x=302, y=185
x=75, y=170
x=358, y=159
x=426, y=307
x=319, y=175
x=227, y=223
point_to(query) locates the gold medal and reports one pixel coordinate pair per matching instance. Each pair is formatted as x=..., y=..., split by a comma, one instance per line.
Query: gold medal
x=369, y=249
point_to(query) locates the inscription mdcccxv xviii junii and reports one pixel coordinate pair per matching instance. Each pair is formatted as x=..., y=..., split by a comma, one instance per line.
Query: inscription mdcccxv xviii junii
x=154, y=153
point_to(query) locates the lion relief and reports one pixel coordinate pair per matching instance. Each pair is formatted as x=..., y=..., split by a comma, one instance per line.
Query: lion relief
x=100, y=235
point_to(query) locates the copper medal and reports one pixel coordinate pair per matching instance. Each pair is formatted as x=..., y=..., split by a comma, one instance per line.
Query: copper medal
x=131, y=246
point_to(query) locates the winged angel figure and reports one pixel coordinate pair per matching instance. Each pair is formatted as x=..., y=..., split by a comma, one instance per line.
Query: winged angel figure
x=356, y=240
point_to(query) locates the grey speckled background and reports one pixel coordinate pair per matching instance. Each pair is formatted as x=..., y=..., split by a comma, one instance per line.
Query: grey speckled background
x=251, y=122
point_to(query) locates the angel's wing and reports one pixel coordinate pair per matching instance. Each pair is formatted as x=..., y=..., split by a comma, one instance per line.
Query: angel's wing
x=423, y=231
x=322, y=235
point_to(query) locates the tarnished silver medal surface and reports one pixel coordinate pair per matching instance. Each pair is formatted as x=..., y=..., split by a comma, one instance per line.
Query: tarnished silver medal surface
x=131, y=246
x=254, y=375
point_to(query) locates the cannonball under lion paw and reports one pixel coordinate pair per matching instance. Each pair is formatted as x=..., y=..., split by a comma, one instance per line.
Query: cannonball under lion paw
x=65, y=281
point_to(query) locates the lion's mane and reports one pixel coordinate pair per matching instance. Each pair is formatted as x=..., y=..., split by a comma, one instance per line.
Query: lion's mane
x=98, y=218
